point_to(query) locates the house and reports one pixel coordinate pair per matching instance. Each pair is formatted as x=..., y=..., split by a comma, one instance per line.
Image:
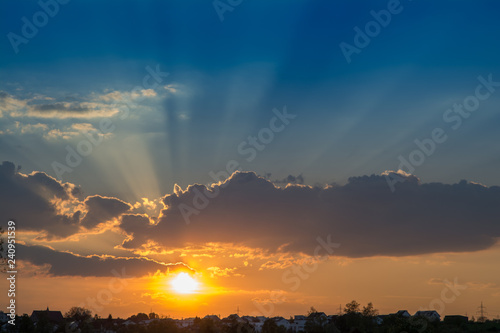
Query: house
x=249, y=319
x=379, y=320
x=456, y=320
x=299, y=323
x=258, y=323
x=233, y=317
x=54, y=317
x=317, y=317
x=403, y=313
x=186, y=322
x=261, y=318
x=429, y=315
x=332, y=317
x=214, y=318
x=280, y=321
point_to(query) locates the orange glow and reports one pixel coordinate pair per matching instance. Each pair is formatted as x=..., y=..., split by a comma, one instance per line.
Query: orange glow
x=183, y=283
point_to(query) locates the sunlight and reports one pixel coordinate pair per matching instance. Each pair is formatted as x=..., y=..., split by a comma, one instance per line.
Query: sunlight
x=130, y=163
x=183, y=283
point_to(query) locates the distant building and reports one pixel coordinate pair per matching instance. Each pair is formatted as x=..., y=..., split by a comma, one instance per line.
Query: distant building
x=232, y=317
x=379, y=320
x=186, y=322
x=299, y=323
x=317, y=316
x=403, y=313
x=280, y=321
x=332, y=317
x=258, y=322
x=456, y=320
x=53, y=317
x=215, y=318
x=250, y=319
x=429, y=315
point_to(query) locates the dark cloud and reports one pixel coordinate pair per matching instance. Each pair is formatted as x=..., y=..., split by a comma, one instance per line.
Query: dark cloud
x=68, y=264
x=38, y=202
x=32, y=200
x=102, y=209
x=135, y=224
x=60, y=107
x=364, y=216
x=290, y=179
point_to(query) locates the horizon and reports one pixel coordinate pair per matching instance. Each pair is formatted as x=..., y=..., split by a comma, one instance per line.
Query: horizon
x=291, y=316
x=239, y=155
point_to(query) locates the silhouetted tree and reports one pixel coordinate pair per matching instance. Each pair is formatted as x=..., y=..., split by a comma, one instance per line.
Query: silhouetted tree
x=139, y=317
x=43, y=325
x=270, y=326
x=312, y=310
x=351, y=307
x=25, y=324
x=236, y=326
x=162, y=326
x=79, y=314
x=207, y=325
x=369, y=310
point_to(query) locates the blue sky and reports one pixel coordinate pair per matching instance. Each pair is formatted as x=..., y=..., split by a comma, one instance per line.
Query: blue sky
x=112, y=109
x=352, y=119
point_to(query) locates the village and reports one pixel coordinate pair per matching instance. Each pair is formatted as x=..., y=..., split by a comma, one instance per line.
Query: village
x=352, y=319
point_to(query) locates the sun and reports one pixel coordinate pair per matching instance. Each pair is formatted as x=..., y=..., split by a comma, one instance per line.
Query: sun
x=183, y=283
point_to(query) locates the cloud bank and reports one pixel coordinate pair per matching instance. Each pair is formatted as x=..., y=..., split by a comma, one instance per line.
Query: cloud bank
x=364, y=216
x=68, y=264
x=43, y=204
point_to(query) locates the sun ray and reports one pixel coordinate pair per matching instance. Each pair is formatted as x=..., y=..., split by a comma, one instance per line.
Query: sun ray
x=183, y=283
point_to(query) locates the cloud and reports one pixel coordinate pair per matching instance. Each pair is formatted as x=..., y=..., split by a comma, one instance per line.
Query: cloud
x=101, y=209
x=24, y=108
x=53, y=131
x=126, y=96
x=216, y=271
x=69, y=264
x=290, y=179
x=173, y=88
x=135, y=224
x=9, y=103
x=95, y=105
x=32, y=200
x=40, y=203
x=364, y=216
x=29, y=128
x=64, y=110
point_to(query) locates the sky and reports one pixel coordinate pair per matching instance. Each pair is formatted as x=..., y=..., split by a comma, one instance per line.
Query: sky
x=281, y=154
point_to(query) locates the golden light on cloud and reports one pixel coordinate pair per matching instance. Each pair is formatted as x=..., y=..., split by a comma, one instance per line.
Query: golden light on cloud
x=183, y=283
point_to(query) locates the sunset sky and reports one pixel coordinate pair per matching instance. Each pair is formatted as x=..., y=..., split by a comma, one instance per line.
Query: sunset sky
x=196, y=157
